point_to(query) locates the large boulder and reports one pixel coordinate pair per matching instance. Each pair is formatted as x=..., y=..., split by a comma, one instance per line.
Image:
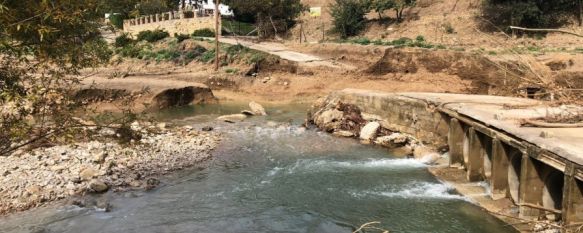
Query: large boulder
x=98, y=186
x=329, y=120
x=369, y=131
x=257, y=109
x=392, y=141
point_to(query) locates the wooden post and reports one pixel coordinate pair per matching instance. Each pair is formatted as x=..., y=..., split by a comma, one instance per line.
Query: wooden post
x=217, y=32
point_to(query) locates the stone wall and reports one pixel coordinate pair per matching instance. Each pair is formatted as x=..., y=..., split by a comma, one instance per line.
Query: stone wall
x=173, y=22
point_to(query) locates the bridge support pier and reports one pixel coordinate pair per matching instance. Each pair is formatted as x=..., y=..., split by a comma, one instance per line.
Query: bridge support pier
x=455, y=140
x=473, y=155
x=500, y=163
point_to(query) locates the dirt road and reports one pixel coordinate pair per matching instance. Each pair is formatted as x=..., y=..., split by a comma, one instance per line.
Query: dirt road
x=286, y=53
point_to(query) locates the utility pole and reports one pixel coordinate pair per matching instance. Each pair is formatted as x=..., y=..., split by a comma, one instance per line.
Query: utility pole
x=217, y=33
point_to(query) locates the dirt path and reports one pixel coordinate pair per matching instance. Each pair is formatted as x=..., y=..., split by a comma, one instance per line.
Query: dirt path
x=286, y=53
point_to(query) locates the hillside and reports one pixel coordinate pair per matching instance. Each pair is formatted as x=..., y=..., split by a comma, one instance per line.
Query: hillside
x=451, y=23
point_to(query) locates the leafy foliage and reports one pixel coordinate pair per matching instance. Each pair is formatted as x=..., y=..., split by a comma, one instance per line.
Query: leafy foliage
x=205, y=32
x=349, y=17
x=152, y=36
x=528, y=13
x=181, y=37
x=123, y=40
x=116, y=20
x=271, y=16
x=43, y=45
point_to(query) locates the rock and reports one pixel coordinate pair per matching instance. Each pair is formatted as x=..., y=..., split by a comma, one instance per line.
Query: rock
x=87, y=174
x=392, y=141
x=369, y=131
x=103, y=204
x=430, y=158
x=207, y=128
x=161, y=126
x=135, y=126
x=135, y=183
x=99, y=157
x=329, y=120
x=404, y=151
x=248, y=113
x=98, y=186
x=232, y=118
x=420, y=151
x=426, y=155
x=152, y=183
x=343, y=133
x=33, y=190
x=257, y=109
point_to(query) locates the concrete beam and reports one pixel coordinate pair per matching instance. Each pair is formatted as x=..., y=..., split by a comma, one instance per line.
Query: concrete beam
x=474, y=163
x=500, y=163
x=455, y=140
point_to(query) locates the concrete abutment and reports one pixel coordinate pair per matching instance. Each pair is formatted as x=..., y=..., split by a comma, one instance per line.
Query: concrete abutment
x=541, y=176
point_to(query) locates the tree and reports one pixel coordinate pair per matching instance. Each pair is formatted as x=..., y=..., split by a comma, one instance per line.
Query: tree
x=401, y=5
x=348, y=16
x=271, y=16
x=381, y=6
x=43, y=45
x=529, y=13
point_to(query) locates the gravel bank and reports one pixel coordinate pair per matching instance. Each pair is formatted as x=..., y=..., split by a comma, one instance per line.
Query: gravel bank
x=44, y=175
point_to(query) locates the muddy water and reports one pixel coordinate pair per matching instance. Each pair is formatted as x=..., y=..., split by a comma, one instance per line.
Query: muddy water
x=277, y=177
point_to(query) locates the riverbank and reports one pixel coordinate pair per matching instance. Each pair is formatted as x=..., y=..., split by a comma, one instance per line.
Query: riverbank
x=45, y=175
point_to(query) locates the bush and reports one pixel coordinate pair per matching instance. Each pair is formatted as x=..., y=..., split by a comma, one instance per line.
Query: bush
x=362, y=41
x=116, y=20
x=152, y=36
x=207, y=56
x=123, y=40
x=348, y=17
x=181, y=37
x=205, y=32
x=527, y=13
x=420, y=38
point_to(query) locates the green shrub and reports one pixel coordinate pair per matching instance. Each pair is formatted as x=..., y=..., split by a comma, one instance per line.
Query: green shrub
x=256, y=57
x=349, y=16
x=362, y=41
x=123, y=40
x=236, y=49
x=181, y=37
x=448, y=28
x=401, y=41
x=116, y=20
x=420, y=38
x=152, y=36
x=207, y=56
x=231, y=70
x=130, y=50
x=205, y=32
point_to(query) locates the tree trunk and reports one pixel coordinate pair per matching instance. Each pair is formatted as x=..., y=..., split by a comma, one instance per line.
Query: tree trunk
x=183, y=4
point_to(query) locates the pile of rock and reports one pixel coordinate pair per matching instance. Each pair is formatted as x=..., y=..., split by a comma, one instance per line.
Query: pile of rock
x=346, y=120
x=256, y=110
x=31, y=179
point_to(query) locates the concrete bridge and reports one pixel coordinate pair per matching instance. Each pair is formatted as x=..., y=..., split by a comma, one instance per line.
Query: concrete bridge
x=539, y=169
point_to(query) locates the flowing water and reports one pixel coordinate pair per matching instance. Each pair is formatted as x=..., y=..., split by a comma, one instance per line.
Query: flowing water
x=277, y=177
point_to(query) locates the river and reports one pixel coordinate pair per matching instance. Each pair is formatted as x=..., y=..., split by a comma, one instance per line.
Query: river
x=271, y=175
